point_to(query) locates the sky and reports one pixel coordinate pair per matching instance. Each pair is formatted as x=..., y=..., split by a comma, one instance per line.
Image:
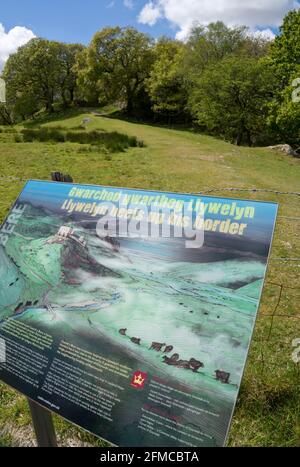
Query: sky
x=78, y=20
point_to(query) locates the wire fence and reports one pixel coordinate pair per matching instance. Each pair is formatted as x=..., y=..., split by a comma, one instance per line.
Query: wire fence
x=276, y=310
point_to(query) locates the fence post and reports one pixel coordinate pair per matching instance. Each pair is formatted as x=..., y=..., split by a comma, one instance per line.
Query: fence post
x=60, y=177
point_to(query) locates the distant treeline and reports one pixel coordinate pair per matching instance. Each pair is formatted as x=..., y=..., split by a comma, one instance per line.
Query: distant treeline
x=224, y=81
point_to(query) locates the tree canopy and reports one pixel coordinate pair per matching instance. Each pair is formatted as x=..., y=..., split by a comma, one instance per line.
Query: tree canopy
x=285, y=51
x=284, y=60
x=40, y=73
x=165, y=84
x=230, y=99
x=116, y=64
x=224, y=80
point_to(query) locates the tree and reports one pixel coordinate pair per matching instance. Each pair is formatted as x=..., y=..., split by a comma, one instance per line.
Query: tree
x=33, y=71
x=67, y=55
x=87, y=88
x=284, y=115
x=212, y=44
x=117, y=64
x=231, y=99
x=5, y=115
x=26, y=105
x=285, y=52
x=39, y=74
x=254, y=47
x=284, y=61
x=166, y=81
x=207, y=45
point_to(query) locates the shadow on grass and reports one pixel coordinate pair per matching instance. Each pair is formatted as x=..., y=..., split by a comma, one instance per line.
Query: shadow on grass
x=61, y=115
x=184, y=127
x=109, y=114
x=187, y=127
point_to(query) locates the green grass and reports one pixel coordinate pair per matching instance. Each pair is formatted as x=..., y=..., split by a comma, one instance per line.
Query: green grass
x=268, y=409
x=6, y=441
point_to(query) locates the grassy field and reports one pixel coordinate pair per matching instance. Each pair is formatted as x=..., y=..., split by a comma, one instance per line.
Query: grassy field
x=268, y=410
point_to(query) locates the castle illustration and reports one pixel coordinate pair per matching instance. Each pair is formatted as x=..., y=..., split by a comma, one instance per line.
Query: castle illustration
x=65, y=233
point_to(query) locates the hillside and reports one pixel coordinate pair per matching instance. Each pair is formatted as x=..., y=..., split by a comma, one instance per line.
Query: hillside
x=268, y=411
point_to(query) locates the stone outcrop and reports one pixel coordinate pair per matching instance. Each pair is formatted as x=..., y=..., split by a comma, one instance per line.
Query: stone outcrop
x=286, y=149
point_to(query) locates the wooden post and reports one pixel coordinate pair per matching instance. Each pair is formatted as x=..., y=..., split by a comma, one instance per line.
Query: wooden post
x=43, y=426
x=60, y=177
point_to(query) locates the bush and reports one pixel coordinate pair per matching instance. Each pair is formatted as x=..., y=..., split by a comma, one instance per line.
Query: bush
x=18, y=138
x=9, y=129
x=43, y=135
x=113, y=141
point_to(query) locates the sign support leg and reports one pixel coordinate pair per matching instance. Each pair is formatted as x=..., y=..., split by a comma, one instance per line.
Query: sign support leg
x=43, y=426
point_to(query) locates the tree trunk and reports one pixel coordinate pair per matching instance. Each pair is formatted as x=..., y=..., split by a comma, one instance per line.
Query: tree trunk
x=239, y=138
x=49, y=97
x=49, y=107
x=129, y=107
x=65, y=101
x=248, y=136
x=5, y=116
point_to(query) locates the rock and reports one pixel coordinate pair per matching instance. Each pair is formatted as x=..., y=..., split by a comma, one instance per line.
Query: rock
x=85, y=121
x=285, y=148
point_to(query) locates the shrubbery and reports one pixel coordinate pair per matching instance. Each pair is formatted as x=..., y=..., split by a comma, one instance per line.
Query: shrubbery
x=111, y=141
